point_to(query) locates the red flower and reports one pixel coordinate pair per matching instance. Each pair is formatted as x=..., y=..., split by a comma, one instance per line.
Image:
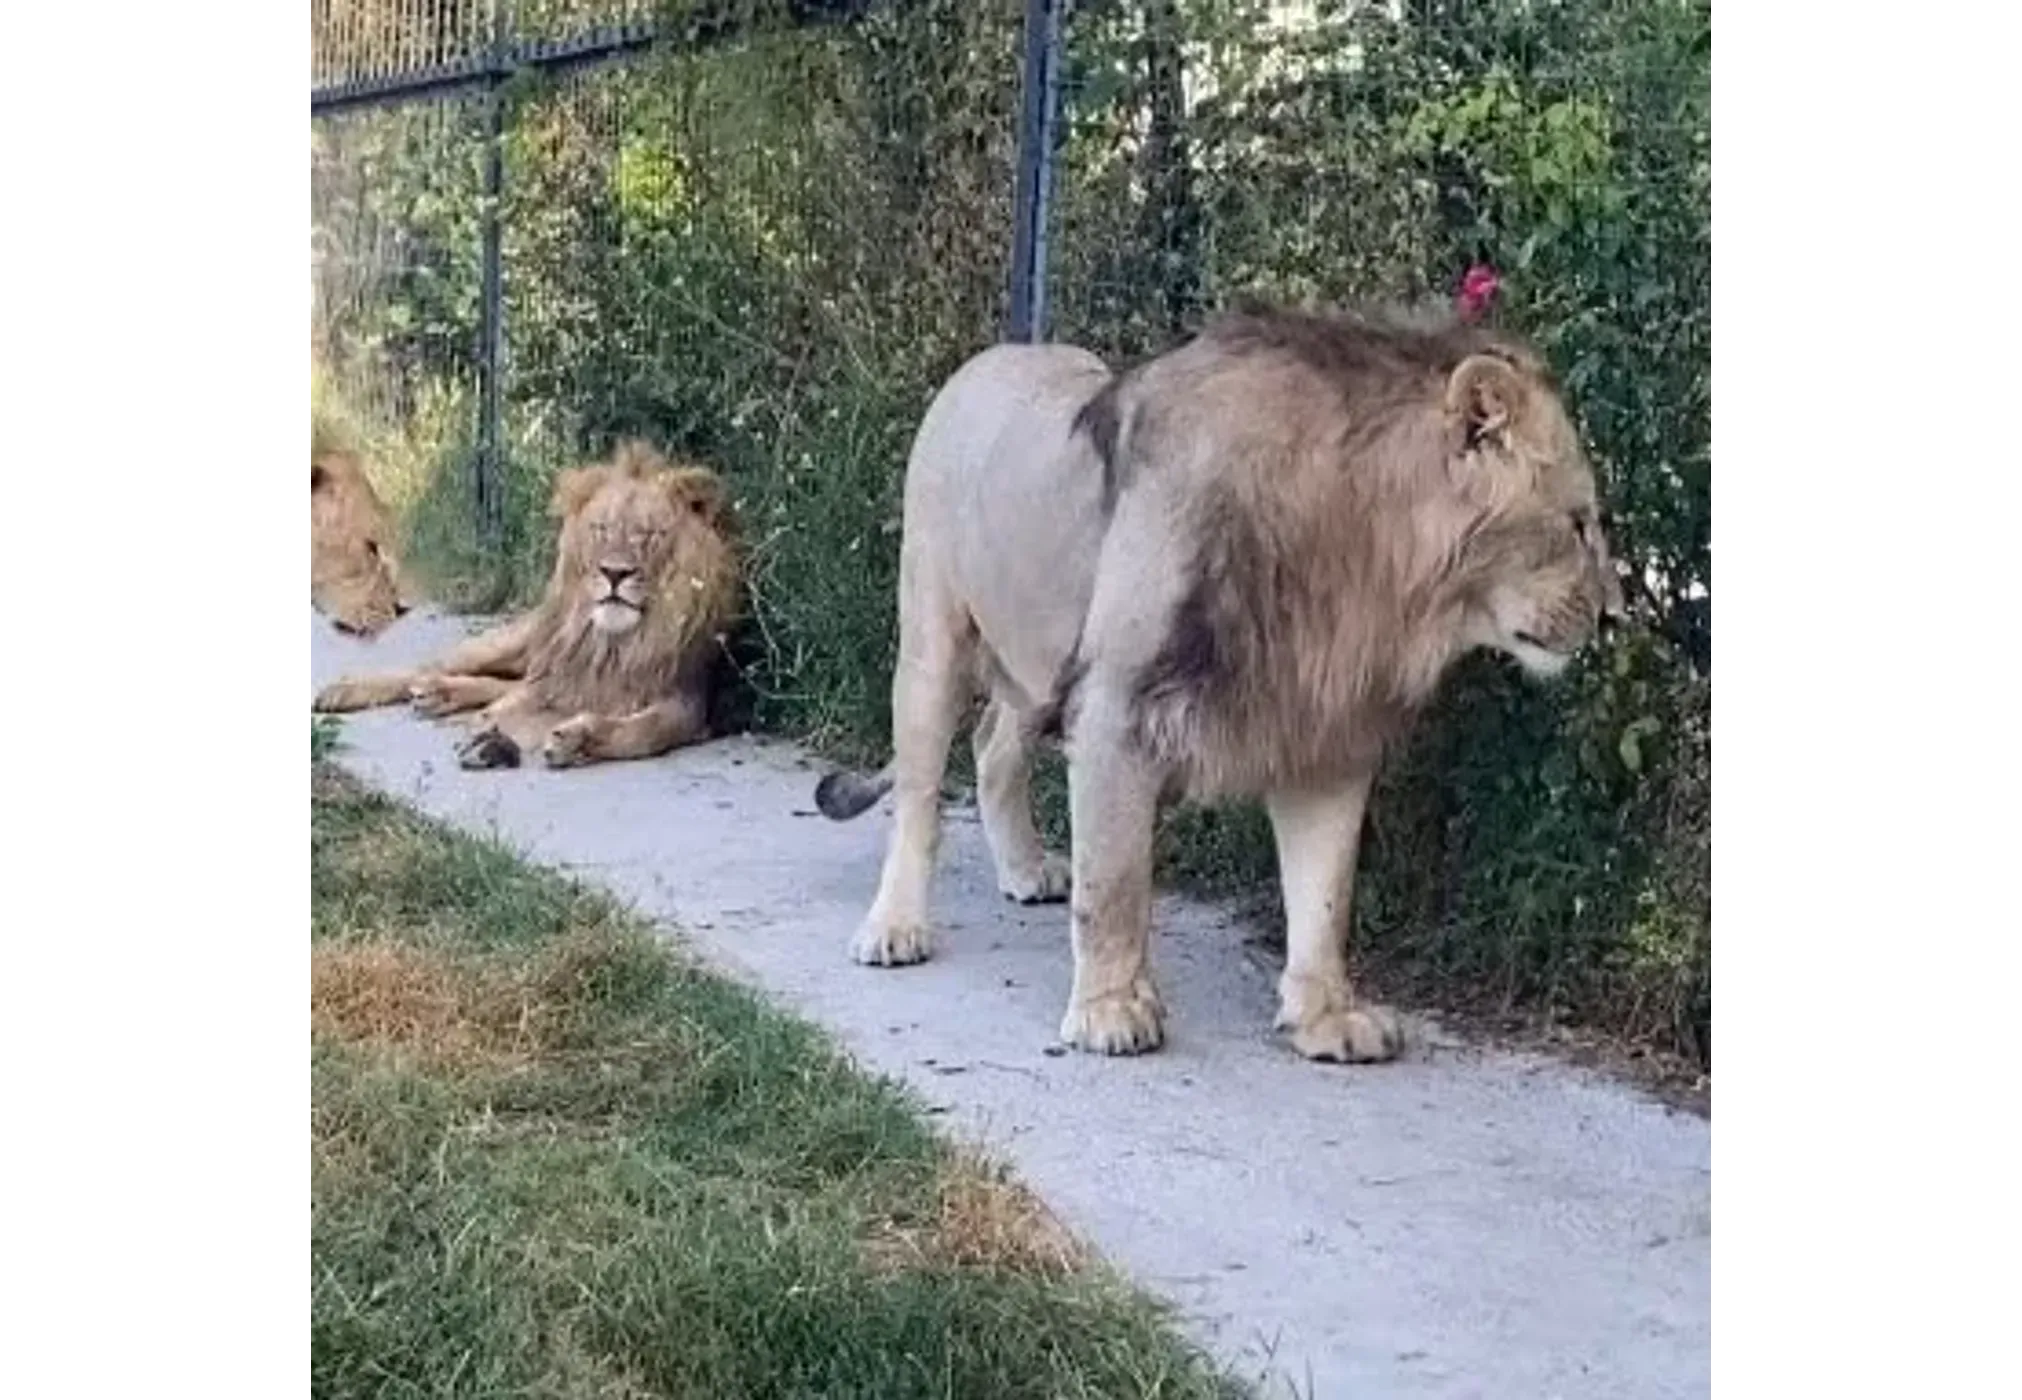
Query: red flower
x=1478, y=287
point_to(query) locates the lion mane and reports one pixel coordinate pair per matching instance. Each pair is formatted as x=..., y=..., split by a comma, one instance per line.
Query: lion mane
x=1353, y=515
x=620, y=656
x=355, y=577
x=1236, y=570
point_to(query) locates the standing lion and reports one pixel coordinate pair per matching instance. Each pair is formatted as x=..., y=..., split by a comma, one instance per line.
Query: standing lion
x=1237, y=570
x=618, y=659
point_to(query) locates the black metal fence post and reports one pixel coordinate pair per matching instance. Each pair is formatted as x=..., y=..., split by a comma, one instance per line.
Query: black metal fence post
x=491, y=330
x=1027, y=320
x=490, y=474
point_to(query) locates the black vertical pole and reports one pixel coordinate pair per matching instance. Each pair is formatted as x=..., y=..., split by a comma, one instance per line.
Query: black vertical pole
x=1027, y=320
x=491, y=329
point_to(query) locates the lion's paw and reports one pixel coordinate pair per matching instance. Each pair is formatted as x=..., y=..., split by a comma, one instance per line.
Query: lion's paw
x=430, y=696
x=1129, y=1022
x=337, y=697
x=1049, y=884
x=1360, y=1034
x=881, y=944
x=568, y=743
x=488, y=748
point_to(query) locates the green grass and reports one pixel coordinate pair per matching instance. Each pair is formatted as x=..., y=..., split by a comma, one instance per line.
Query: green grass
x=325, y=733
x=551, y=1157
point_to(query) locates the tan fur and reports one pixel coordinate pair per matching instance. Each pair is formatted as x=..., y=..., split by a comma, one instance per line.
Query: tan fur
x=616, y=659
x=355, y=577
x=1237, y=570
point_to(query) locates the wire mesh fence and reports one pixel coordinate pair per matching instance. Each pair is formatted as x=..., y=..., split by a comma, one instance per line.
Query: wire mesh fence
x=761, y=232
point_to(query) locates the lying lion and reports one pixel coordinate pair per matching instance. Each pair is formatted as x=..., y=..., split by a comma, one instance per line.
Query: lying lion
x=617, y=660
x=1237, y=570
x=354, y=574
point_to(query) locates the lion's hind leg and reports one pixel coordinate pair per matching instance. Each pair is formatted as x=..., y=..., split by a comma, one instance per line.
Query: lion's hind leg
x=1026, y=870
x=930, y=688
x=644, y=733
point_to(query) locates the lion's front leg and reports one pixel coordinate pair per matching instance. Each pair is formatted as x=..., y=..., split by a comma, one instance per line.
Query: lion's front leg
x=363, y=692
x=647, y=733
x=505, y=729
x=438, y=696
x=1319, y=833
x=1113, y=801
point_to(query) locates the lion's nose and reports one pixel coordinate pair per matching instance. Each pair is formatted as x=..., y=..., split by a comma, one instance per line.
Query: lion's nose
x=616, y=576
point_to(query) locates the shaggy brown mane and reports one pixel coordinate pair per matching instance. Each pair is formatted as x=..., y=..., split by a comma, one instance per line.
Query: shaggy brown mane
x=1101, y=420
x=1377, y=360
x=1355, y=348
x=572, y=667
x=1313, y=626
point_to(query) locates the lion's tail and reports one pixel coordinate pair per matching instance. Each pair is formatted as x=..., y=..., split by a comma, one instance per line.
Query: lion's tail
x=842, y=795
x=362, y=693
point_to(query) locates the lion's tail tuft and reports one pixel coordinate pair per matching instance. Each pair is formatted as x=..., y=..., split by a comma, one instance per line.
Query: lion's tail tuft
x=842, y=795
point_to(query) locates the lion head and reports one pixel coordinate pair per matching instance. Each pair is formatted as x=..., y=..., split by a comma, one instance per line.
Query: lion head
x=1530, y=564
x=354, y=573
x=644, y=571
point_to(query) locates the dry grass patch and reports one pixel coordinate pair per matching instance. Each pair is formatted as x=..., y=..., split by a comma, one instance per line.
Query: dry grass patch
x=982, y=1219
x=443, y=1011
x=454, y=1012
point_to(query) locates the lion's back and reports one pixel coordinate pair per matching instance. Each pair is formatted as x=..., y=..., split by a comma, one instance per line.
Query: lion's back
x=1002, y=420
x=1005, y=503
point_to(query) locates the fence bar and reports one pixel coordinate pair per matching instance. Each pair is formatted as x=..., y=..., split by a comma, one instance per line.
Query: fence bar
x=499, y=61
x=1027, y=320
x=507, y=56
x=490, y=474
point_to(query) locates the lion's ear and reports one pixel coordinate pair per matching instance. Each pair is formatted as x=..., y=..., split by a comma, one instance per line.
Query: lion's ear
x=697, y=490
x=1487, y=395
x=573, y=489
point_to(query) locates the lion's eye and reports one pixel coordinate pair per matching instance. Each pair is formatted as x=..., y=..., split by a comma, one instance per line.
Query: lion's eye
x=373, y=546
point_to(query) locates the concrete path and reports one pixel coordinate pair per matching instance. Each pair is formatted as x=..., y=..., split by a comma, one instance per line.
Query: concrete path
x=1457, y=1224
